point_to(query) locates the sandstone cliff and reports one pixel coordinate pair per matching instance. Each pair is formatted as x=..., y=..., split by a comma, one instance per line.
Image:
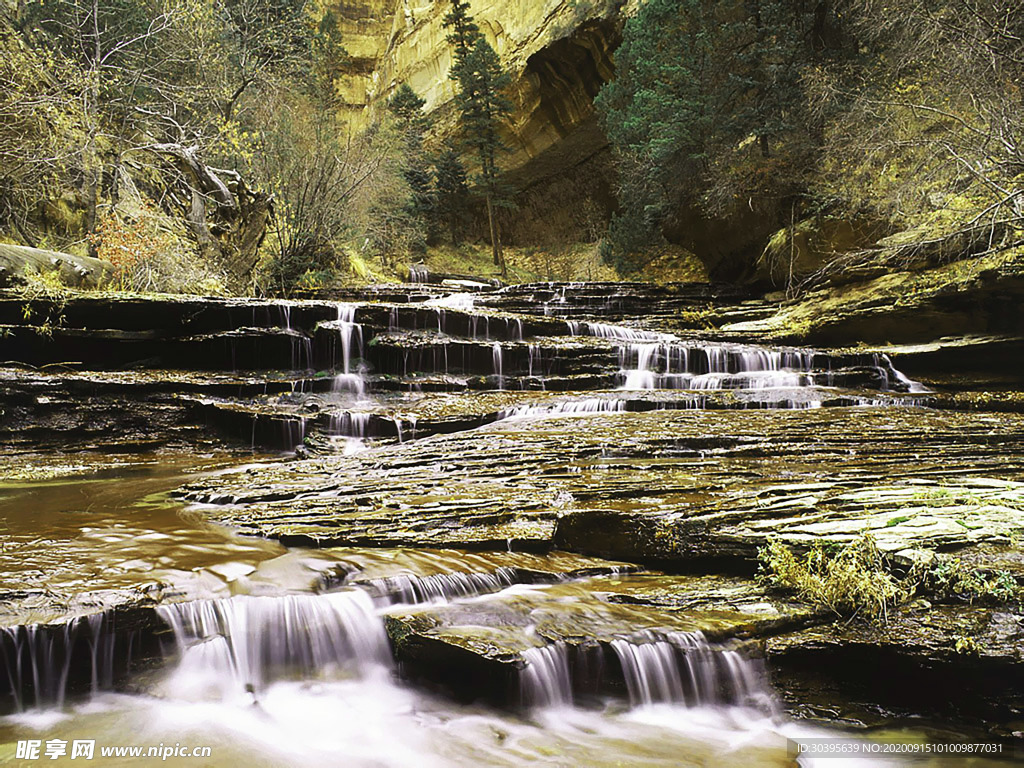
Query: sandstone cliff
x=559, y=53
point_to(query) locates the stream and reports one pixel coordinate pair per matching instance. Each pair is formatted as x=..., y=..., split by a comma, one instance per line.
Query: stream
x=447, y=529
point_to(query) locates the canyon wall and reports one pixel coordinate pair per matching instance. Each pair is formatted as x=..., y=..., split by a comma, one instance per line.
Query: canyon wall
x=559, y=53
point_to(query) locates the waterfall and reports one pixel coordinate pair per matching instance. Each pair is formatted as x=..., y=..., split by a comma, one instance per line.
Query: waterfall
x=676, y=668
x=441, y=587
x=682, y=667
x=418, y=273
x=650, y=671
x=608, y=331
x=460, y=301
x=301, y=344
x=39, y=660
x=349, y=424
x=569, y=407
x=545, y=680
x=245, y=642
x=351, y=333
x=668, y=365
x=497, y=359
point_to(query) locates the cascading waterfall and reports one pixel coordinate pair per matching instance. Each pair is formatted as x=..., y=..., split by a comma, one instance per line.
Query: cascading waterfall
x=245, y=642
x=675, y=668
x=350, y=424
x=608, y=331
x=565, y=408
x=650, y=360
x=349, y=380
x=545, y=680
x=39, y=660
x=441, y=587
x=682, y=667
x=680, y=366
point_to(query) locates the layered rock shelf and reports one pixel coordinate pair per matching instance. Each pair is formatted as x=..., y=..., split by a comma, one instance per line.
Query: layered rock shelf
x=530, y=496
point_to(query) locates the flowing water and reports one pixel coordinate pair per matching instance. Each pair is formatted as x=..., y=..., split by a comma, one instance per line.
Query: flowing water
x=129, y=620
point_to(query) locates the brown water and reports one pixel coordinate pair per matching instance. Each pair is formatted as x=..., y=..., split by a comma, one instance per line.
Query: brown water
x=87, y=522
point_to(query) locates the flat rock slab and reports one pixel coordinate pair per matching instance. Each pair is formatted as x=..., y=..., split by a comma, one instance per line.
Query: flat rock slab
x=664, y=486
x=490, y=638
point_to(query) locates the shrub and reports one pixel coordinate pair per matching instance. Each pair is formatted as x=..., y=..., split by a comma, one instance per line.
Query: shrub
x=848, y=580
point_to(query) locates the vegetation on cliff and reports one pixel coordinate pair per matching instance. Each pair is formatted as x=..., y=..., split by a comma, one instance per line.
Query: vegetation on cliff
x=886, y=116
x=192, y=144
x=200, y=145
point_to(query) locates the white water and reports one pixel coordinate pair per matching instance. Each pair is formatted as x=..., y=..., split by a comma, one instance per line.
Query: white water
x=545, y=681
x=497, y=356
x=351, y=333
x=564, y=408
x=306, y=680
x=441, y=587
x=38, y=658
x=242, y=643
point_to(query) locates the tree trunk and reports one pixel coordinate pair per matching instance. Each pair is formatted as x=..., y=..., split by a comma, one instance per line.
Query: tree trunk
x=499, y=255
x=240, y=215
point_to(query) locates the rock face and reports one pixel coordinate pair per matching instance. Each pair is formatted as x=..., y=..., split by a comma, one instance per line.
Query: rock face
x=559, y=54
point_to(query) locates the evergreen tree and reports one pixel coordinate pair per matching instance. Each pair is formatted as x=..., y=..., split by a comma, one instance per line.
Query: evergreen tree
x=708, y=108
x=482, y=106
x=407, y=109
x=452, y=193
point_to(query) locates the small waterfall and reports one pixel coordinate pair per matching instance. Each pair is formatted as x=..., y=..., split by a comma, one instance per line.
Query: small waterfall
x=441, y=587
x=651, y=671
x=248, y=641
x=890, y=372
x=301, y=344
x=418, y=274
x=665, y=365
x=675, y=668
x=460, y=301
x=497, y=355
x=618, y=332
x=569, y=407
x=535, y=360
x=40, y=660
x=349, y=380
x=349, y=424
x=293, y=432
x=682, y=667
x=545, y=680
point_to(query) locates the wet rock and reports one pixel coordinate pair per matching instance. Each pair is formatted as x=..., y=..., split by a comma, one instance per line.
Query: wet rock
x=491, y=639
x=679, y=487
x=958, y=663
x=979, y=296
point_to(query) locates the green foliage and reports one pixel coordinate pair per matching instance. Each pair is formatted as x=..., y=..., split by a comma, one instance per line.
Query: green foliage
x=707, y=109
x=849, y=580
x=406, y=107
x=854, y=579
x=482, y=105
x=950, y=579
x=452, y=193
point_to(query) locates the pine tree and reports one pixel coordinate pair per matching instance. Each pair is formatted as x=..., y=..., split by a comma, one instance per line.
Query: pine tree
x=482, y=106
x=699, y=82
x=452, y=192
x=407, y=109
